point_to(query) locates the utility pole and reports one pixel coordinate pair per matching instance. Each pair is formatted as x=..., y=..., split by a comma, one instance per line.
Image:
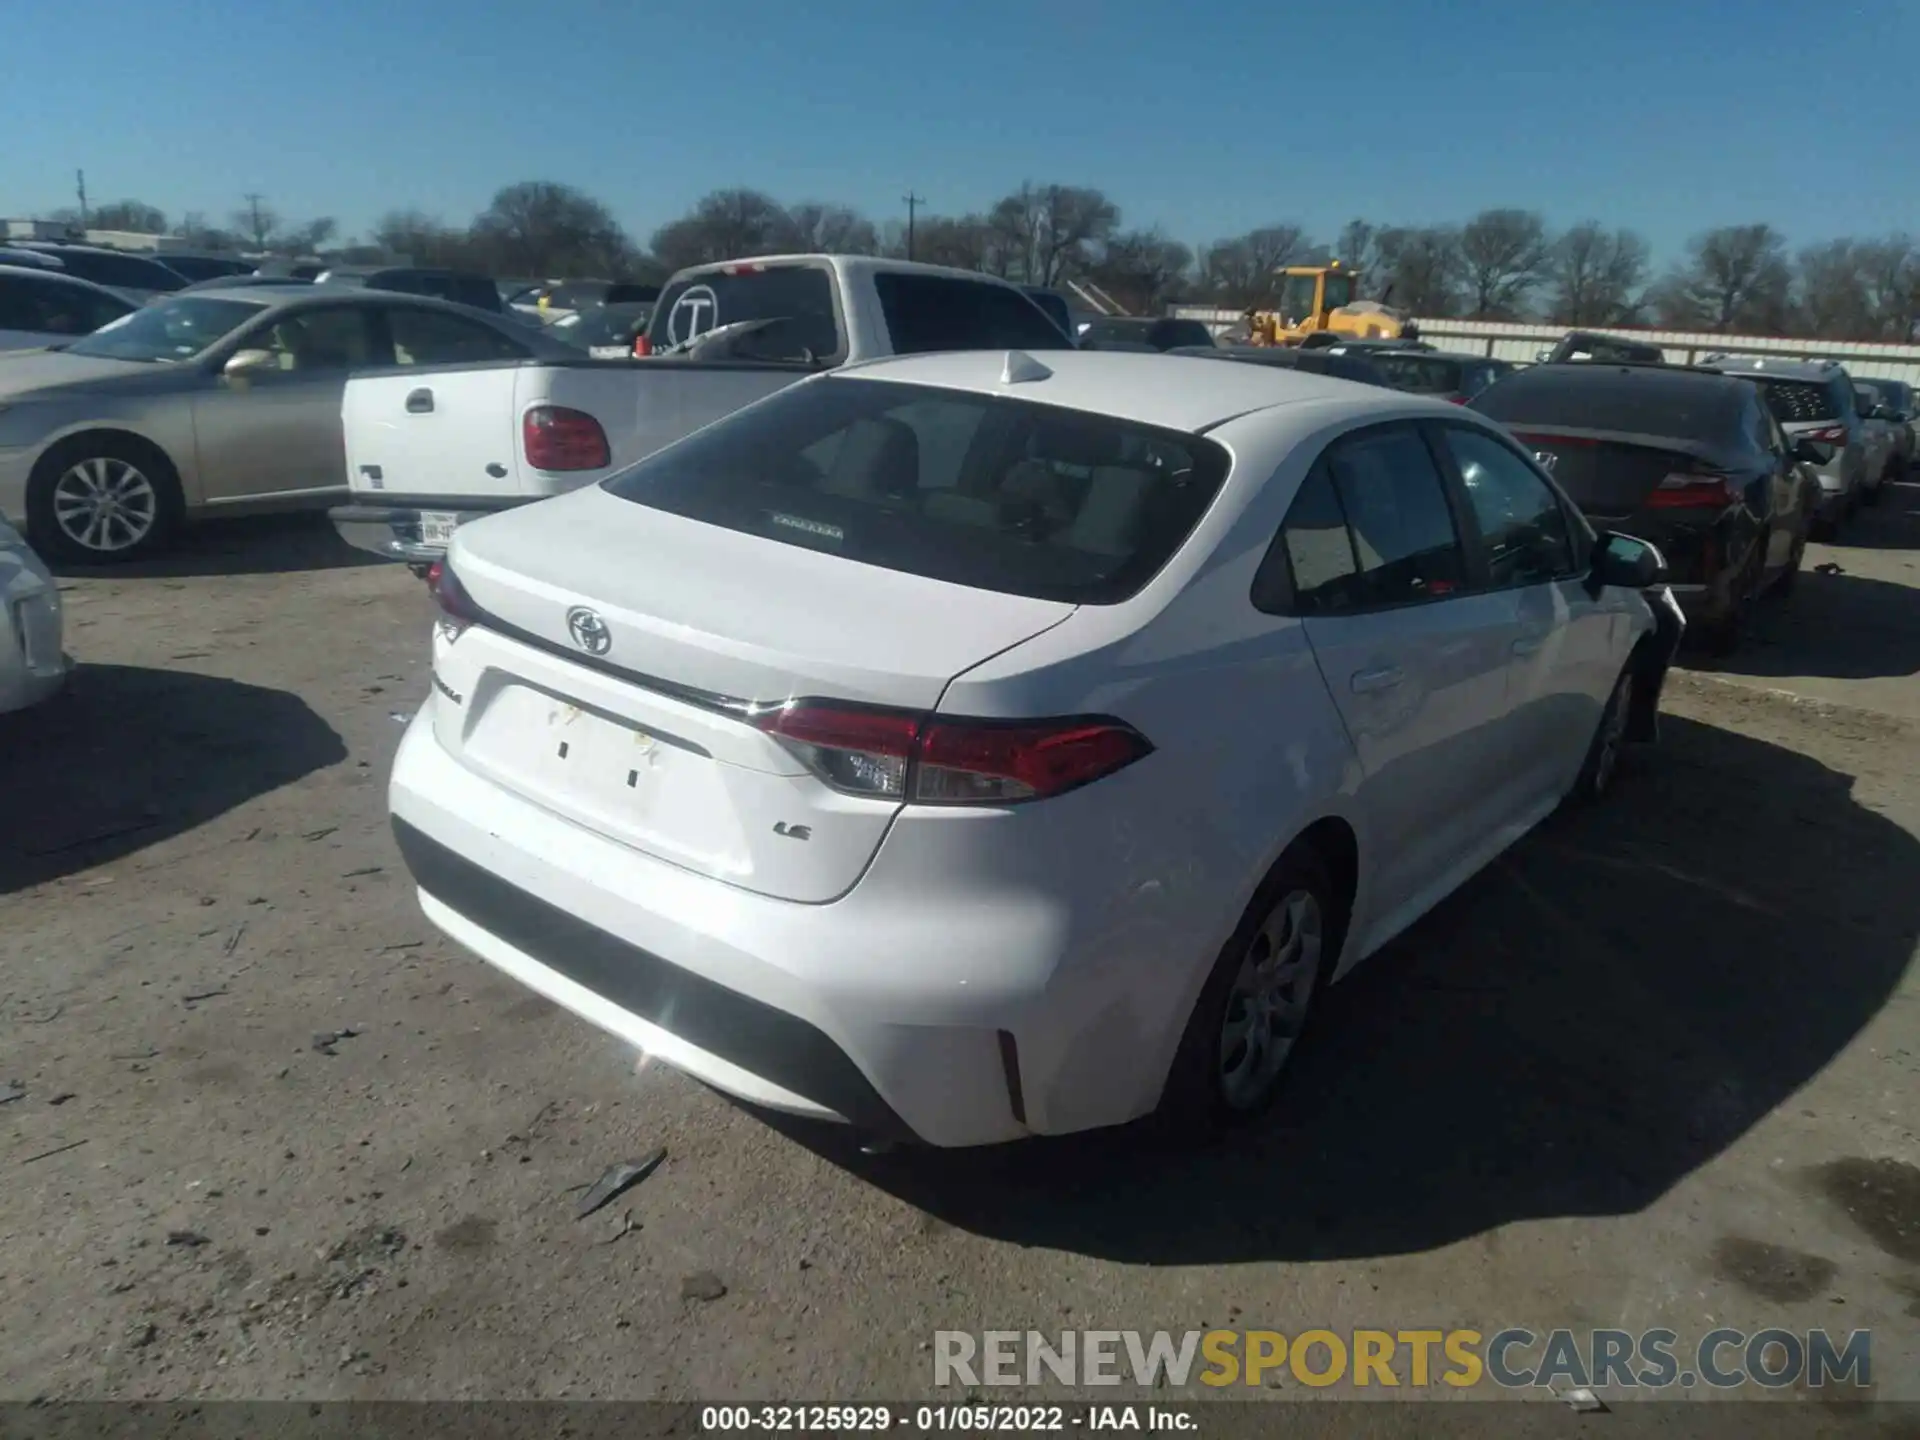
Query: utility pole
x=253, y=204
x=80, y=180
x=913, y=202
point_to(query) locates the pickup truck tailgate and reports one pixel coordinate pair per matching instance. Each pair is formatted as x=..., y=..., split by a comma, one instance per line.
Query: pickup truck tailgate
x=442, y=432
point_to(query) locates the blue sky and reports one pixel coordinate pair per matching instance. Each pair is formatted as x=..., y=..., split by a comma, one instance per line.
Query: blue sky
x=1205, y=118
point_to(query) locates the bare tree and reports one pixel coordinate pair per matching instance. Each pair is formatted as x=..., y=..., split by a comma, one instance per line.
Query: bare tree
x=965, y=242
x=1502, y=253
x=1735, y=278
x=1141, y=268
x=1043, y=233
x=1355, y=248
x=1889, y=273
x=304, y=238
x=195, y=230
x=1596, y=275
x=256, y=221
x=135, y=216
x=833, y=229
x=1419, y=268
x=540, y=227
x=1833, y=300
x=422, y=239
x=1239, y=271
x=726, y=225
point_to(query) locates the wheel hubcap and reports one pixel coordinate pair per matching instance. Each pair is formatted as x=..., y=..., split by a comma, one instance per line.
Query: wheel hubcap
x=104, y=504
x=1267, y=1006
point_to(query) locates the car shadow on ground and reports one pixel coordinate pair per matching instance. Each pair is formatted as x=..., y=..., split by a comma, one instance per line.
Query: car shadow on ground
x=254, y=545
x=1890, y=523
x=127, y=756
x=1586, y=1023
x=1835, y=625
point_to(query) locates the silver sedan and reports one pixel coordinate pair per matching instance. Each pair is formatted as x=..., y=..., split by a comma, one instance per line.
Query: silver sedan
x=220, y=401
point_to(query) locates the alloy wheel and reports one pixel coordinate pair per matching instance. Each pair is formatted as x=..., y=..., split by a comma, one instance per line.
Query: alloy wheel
x=105, y=504
x=1267, y=1005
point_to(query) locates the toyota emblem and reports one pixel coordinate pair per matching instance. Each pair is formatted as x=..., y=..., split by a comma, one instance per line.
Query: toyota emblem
x=588, y=630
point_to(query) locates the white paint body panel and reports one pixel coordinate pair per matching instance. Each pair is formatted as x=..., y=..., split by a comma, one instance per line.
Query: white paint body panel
x=1085, y=924
x=33, y=665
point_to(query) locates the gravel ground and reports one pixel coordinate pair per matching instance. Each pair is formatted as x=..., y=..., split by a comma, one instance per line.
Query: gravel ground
x=273, y=1138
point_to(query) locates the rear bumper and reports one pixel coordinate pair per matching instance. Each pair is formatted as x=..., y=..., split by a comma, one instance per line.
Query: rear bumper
x=391, y=528
x=955, y=995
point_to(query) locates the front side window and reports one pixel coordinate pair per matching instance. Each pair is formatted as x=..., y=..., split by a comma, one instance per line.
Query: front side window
x=1521, y=520
x=320, y=341
x=978, y=490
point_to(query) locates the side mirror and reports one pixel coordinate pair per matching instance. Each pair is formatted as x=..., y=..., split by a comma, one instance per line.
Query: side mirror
x=243, y=364
x=1627, y=564
x=1812, y=452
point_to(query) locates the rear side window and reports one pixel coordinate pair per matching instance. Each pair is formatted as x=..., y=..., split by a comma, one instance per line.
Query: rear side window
x=1404, y=539
x=431, y=337
x=800, y=297
x=932, y=312
x=978, y=490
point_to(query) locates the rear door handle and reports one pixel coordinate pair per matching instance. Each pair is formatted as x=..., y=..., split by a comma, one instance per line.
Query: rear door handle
x=420, y=402
x=1384, y=678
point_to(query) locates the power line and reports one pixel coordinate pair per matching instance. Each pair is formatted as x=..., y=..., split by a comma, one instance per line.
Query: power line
x=913, y=202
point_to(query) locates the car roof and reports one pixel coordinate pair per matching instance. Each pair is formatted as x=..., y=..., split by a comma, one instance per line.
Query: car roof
x=850, y=265
x=58, y=277
x=1170, y=391
x=1616, y=375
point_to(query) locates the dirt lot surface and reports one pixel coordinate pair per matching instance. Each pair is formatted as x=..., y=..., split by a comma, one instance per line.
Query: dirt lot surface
x=262, y=1134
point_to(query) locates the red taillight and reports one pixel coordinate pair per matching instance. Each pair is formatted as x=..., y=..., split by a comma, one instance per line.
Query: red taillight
x=1692, y=492
x=642, y=347
x=1458, y=399
x=451, y=596
x=900, y=755
x=557, y=438
x=1831, y=435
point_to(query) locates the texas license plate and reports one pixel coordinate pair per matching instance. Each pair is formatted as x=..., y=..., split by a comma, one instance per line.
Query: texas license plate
x=437, y=526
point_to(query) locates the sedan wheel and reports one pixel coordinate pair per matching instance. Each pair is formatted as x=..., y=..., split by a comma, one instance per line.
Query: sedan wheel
x=98, y=501
x=105, y=505
x=1268, y=1000
x=1609, y=742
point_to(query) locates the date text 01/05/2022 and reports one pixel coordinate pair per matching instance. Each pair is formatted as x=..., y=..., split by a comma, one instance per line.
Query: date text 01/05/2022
x=720, y=1419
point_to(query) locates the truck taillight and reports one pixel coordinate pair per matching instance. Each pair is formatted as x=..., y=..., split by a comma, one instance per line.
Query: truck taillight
x=642, y=347
x=932, y=760
x=556, y=438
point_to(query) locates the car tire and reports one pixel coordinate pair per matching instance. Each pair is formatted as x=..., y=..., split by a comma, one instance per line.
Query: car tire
x=1607, y=748
x=1240, y=1041
x=103, y=500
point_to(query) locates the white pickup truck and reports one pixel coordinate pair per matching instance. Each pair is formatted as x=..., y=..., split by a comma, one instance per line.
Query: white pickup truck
x=429, y=449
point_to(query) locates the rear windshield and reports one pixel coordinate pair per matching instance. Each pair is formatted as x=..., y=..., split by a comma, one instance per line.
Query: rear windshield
x=1422, y=374
x=1798, y=401
x=799, y=297
x=1636, y=402
x=1136, y=332
x=978, y=490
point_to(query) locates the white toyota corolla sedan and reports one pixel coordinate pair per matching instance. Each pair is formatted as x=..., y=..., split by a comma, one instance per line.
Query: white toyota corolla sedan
x=970, y=746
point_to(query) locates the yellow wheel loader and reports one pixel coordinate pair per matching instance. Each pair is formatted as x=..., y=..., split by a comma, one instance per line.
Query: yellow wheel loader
x=1319, y=301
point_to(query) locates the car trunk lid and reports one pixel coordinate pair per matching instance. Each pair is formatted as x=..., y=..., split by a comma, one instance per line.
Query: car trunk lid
x=625, y=654
x=1610, y=474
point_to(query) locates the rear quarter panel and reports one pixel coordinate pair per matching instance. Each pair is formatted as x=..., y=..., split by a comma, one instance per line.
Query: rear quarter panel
x=1250, y=749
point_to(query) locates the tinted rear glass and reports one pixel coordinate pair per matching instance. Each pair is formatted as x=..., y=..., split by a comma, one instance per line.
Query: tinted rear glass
x=624, y=294
x=1636, y=402
x=978, y=490
x=1422, y=374
x=1798, y=401
x=1055, y=308
x=800, y=295
x=1136, y=332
